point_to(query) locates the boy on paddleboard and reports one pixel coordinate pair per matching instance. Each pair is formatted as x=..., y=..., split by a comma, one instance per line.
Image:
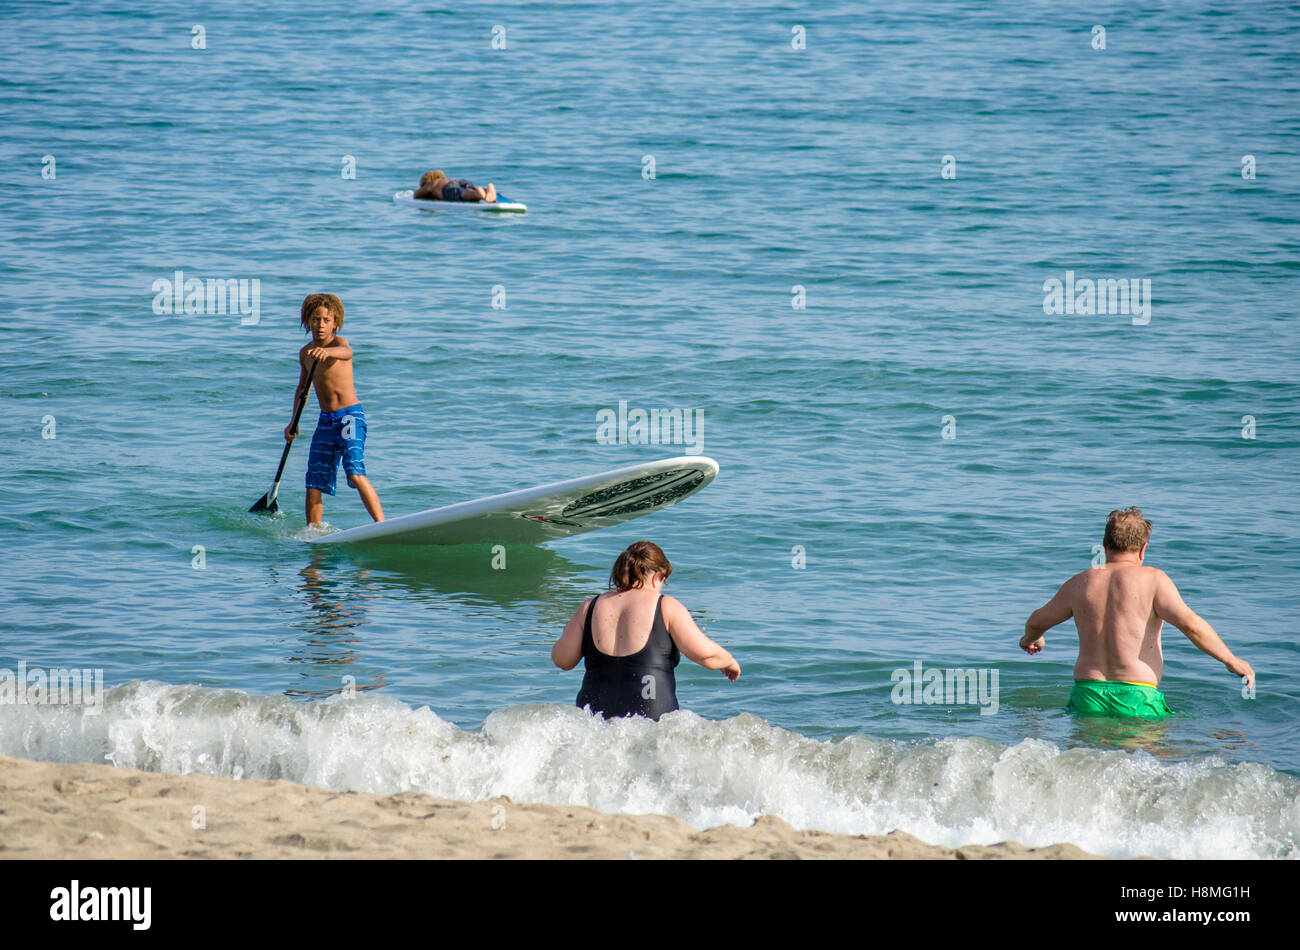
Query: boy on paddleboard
x=341, y=430
x=1118, y=609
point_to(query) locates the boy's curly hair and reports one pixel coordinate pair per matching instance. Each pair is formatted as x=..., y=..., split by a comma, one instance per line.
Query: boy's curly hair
x=313, y=302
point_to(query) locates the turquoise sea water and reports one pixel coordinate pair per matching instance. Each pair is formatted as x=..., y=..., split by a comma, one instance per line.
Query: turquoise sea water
x=773, y=168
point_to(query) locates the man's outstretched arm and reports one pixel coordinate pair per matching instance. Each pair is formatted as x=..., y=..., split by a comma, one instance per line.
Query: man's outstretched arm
x=1170, y=608
x=1057, y=610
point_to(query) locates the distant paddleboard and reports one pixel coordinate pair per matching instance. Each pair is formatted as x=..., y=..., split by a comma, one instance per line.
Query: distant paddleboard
x=547, y=512
x=502, y=204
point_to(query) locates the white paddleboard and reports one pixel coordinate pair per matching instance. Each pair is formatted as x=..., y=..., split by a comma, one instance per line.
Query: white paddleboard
x=502, y=204
x=547, y=512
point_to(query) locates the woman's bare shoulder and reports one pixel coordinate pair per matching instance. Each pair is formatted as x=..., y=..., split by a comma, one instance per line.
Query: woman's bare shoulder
x=674, y=606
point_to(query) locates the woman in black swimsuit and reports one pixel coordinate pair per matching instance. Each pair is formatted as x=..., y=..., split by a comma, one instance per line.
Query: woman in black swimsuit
x=630, y=672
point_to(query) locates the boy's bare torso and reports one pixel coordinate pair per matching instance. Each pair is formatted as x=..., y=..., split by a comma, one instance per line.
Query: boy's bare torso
x=333, y=377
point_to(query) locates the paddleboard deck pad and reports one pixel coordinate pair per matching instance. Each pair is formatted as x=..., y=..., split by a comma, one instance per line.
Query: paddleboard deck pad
x=501, y=205
x=545, y=513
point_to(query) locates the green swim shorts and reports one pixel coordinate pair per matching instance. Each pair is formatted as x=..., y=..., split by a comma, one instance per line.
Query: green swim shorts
x=1115, y=698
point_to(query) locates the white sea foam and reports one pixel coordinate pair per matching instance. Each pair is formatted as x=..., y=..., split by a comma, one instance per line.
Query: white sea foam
x=950, y=791
x=312, y=531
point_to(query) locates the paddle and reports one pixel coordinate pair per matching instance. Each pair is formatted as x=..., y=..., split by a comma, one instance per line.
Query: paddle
x=267, y=503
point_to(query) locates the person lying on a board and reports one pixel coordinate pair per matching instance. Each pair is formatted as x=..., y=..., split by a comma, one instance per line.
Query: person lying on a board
x=341, y=430
x=435, y=186
x=1119, y=609
x=632, y=640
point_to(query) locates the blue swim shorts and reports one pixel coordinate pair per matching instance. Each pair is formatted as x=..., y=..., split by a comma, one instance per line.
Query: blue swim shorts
x=340, y=437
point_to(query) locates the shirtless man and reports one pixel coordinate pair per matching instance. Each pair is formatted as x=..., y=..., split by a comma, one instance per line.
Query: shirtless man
x=1119, y=609
x=340, y=434
x=435, y=186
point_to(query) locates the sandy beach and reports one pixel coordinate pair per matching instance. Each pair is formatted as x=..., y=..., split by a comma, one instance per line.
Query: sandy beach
x=56, y=811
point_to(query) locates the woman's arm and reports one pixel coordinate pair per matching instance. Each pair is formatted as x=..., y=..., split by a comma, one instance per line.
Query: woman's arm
x=693, y=643
x=568, y=649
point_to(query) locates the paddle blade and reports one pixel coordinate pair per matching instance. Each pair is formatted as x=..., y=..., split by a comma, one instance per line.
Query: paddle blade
x=266, y=505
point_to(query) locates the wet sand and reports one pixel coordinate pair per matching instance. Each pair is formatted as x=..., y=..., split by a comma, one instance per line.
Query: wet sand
x=50, y=810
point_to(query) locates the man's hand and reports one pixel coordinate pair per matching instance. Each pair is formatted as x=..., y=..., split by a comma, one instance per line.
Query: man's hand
x=1031, y=646
x=319, y=353
x=732, y=672
x=290, y=432
x=1241, y=668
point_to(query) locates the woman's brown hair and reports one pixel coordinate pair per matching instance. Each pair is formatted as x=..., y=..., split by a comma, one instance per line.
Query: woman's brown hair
x=638, y=564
